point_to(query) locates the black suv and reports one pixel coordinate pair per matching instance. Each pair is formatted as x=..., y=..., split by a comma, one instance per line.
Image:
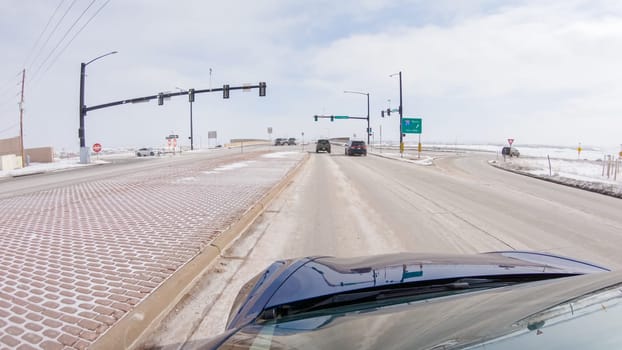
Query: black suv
x=291, y=141
x=356, y=147
x=322, y=145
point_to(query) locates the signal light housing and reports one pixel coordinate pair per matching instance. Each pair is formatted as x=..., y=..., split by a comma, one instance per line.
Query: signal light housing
x=225, y=91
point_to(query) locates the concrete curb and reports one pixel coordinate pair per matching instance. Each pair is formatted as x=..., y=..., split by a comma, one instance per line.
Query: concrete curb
x=129, y=331
x=581, y=186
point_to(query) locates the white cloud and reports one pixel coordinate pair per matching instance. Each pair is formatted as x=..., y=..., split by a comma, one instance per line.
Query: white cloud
x=476, y=71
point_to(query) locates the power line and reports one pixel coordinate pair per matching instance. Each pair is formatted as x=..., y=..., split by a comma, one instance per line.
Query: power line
x=9, y=84
x=74, y=37
x=63, y=38
x=43, y=32
x=53, y=31
x=9, y=128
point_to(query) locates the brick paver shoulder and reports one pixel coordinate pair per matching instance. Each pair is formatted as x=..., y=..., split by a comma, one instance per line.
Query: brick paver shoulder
x=76, y=259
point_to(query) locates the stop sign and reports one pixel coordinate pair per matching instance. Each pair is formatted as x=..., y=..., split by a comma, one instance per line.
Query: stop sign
x=510, y=141
x=97, y=147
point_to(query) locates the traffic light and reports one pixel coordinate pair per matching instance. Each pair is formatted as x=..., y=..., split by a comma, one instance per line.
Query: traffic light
x=382, y=114
x=388, y=112
x=315, y=116
x=332, y=118
x=262, y=89
x=225, y=91
x=191, y=95
x=160, y=99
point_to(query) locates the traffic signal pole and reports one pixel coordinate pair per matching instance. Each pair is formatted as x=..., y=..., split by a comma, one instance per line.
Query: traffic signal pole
x=84, y=152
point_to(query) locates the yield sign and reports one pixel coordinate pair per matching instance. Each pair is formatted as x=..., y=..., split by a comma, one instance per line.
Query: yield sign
x=510, y=141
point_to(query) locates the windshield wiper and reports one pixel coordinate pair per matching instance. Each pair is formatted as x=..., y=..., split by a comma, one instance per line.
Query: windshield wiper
x=402, y=291
x=412, y=292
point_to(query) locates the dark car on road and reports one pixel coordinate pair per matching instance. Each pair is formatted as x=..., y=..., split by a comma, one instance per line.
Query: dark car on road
x=322, y=145
x=356, y=147
x=510, y=152
x=279, y=141
x=496, y=300
x=291, y=141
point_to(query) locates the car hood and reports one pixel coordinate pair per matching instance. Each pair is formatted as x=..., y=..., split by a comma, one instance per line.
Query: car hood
x=558, y=314
x=328, y=275
x=295, y=280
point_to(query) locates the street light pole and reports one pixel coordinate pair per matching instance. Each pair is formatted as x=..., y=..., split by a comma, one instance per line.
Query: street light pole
x=401, y=109
x=84, y=152
x=363, y=93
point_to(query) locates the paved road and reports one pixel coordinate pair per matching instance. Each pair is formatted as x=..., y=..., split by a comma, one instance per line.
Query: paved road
x=349, y=206
x=82, y=248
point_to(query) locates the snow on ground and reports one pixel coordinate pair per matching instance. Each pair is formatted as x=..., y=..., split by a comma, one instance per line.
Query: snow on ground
x=593, y=169
x=598, y=176
x=587, y=170
x=278, y=154
x=36, y=168
x=529, y=151
x=232, y=166
x=407, y=157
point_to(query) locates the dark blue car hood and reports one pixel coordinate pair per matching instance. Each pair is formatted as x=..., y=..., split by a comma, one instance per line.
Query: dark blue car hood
x=295, y=280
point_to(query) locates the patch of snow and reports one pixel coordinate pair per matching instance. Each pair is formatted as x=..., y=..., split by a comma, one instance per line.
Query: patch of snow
x=528, y=151
x=234, y=166
x=35, y=168
x=278, y=154
x=597, y=176
x=186, y=179
x=407, y=157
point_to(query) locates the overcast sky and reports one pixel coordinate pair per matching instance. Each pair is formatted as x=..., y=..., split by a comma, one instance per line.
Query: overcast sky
x=541, y=72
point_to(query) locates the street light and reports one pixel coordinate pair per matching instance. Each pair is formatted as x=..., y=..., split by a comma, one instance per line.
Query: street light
x=190, y=100
x=84, y=152
x=363, y=93
x=400, y=110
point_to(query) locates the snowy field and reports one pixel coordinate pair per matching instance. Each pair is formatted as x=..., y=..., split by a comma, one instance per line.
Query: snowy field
x=593, y=170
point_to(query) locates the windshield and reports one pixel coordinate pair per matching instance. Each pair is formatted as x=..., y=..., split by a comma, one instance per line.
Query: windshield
x=588, y=322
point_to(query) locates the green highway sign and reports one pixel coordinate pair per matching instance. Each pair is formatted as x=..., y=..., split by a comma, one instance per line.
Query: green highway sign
x=395, y=110
x=411, y=125
x=342, y=117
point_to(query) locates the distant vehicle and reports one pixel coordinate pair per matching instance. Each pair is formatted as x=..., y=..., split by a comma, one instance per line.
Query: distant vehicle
x=291, y=141
x=497, y=300
x=279, y=141
x=322, y=145
x=510, y=151
x=356, y=147
x=145, y=152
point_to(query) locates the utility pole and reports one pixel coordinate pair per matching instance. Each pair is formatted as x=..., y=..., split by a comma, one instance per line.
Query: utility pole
x=21, y=119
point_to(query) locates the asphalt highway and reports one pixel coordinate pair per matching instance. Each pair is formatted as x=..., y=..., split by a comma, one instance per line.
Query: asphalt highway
x=352, y=206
